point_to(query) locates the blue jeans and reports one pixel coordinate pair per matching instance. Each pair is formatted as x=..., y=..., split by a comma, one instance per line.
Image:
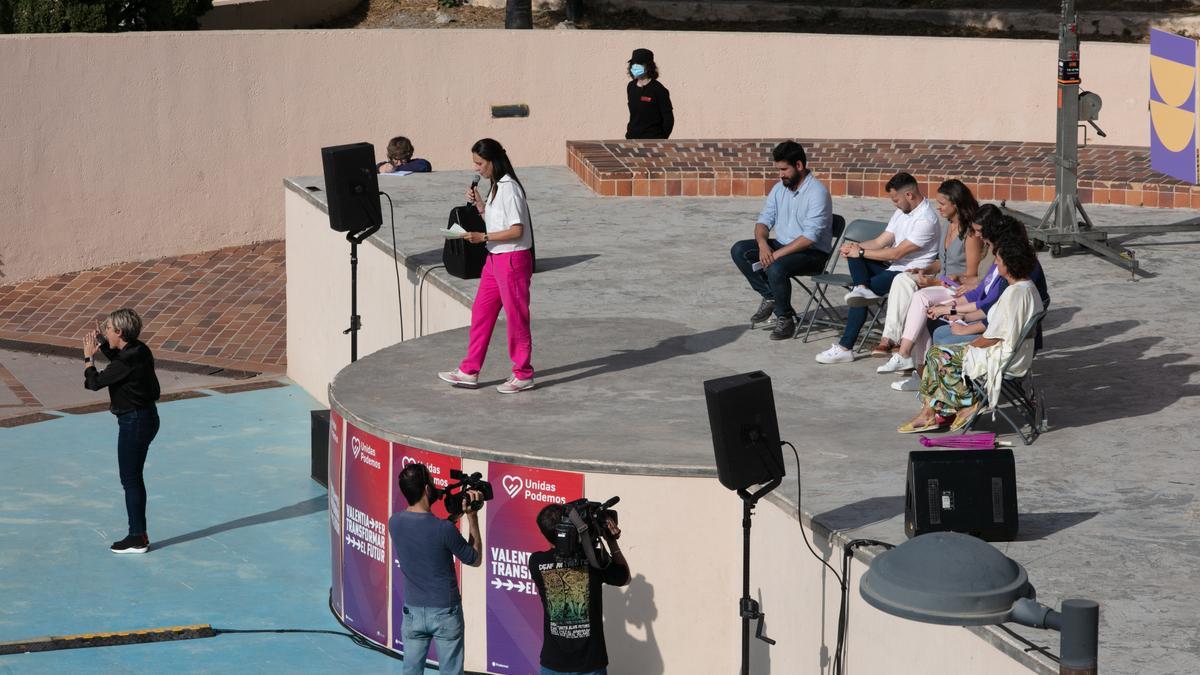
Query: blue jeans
x=135, y=430
x=443, y=624
x=875, y=276
x=944, y=336
x=775, y=282
x=547, y=671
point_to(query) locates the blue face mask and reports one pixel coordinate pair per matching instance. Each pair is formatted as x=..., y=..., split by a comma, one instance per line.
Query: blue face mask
x=637, y=70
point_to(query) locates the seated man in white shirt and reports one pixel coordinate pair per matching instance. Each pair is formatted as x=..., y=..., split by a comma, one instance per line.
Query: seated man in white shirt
x=800, y=211
x=909, y=242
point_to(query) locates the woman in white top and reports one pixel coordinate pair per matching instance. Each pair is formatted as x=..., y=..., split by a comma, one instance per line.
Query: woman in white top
x=944, y=388
x=504, y=282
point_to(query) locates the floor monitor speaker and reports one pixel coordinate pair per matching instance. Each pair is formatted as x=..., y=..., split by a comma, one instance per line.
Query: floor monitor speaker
x=968, y=491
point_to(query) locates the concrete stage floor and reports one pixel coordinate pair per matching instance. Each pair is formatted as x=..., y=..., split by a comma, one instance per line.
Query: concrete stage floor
x=639, y=302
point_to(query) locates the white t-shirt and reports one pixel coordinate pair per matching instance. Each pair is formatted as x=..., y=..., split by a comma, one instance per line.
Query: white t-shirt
x=507, y=208
x=921, y=227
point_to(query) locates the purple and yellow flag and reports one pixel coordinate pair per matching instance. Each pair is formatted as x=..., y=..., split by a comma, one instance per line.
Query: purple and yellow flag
x=1173, y=105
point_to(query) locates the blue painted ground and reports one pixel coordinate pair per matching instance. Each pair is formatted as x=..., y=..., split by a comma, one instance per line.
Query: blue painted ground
x=241, y=531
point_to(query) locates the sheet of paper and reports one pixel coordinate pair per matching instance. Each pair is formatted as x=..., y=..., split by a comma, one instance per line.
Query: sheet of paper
x=395, y=173
x=455, y=231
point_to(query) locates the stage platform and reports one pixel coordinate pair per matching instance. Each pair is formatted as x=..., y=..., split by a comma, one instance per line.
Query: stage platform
x=639, y=303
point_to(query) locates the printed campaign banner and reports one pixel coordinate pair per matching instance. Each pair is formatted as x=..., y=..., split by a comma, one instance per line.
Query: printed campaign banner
x=514, y=612
x=439, y=469
x=1173, y=109
x=364, y=558
x=336, y=450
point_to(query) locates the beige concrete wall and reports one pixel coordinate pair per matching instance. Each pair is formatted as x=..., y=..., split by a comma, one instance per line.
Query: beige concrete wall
x=318, y=299
x=135, y=146
x=678, y=616
x=801, y=600
x=258, y=14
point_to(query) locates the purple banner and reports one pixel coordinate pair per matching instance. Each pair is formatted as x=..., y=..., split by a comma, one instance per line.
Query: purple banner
x=336, y=451
x=439, y=469
x=364, y=529
x=1173, y=105
x=514, y=612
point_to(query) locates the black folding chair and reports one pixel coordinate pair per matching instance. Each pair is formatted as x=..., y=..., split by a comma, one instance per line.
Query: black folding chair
x=1026, y=403
x=856, y=231
x=839, y=231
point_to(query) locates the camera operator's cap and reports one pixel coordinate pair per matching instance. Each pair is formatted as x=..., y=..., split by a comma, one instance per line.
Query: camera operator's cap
x=642, y=56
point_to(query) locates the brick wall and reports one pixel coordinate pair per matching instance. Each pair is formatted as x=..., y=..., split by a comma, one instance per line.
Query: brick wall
x=860, y=168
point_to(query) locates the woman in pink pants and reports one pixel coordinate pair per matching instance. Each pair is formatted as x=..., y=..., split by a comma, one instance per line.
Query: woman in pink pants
x=506, y=274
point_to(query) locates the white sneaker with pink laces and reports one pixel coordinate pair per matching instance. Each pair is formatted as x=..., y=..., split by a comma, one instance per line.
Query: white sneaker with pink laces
x=458, y=378
x=513, y=385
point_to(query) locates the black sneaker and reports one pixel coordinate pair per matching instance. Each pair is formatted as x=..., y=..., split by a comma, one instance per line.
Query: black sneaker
x=764, y=311
x=134, y=543
x=785, y=328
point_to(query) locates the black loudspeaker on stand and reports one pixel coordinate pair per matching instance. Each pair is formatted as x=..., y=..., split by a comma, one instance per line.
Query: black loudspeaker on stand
x=352, y=187
x=968, y=491
x=745, y=433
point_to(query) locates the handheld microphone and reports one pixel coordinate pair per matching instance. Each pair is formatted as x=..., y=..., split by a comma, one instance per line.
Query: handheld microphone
x=474, y=184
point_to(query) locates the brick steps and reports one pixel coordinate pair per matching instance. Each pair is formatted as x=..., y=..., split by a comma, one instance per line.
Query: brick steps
x=993, y=170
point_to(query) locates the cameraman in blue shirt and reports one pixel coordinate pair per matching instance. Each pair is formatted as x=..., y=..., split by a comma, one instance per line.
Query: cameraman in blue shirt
x=425, y=547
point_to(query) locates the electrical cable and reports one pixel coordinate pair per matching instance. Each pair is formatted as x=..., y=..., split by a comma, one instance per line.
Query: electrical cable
x=1032, y=646
x=843, y=579
x=420, y=301
x=801, y=521
x=844, y=608
x=396, y=261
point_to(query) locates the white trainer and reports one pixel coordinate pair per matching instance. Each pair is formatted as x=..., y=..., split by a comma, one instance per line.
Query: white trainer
x=513, y=385
x=911, y=383
x=896, y=364
x=835, y=354
x=458, y=378
x=861, y=296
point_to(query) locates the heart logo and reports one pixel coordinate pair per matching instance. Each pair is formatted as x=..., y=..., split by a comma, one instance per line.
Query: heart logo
x=512, y=485
x=405, y=461
x=355, y=450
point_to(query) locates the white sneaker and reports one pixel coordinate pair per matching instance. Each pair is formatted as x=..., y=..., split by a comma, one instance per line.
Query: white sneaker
x=835, y=354
x=896, y=364
x=861, y=296
x=912, y=383
x=512, y=385
x=458, y=378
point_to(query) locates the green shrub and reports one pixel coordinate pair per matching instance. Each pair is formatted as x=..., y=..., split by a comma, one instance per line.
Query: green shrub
x=99, y=16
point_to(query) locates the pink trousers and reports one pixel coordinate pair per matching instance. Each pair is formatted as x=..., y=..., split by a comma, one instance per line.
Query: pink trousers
x=504, y=283
x=914, y=323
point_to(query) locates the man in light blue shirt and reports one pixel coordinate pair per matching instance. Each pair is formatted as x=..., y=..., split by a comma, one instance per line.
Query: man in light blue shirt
x=800, y=211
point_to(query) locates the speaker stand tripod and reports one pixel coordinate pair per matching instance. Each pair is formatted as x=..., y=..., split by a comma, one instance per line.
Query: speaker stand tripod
x=748, y=607
x=355, y=238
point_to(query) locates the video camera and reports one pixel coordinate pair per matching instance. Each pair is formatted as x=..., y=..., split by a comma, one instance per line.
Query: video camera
x=456, y=493
x=580, y=533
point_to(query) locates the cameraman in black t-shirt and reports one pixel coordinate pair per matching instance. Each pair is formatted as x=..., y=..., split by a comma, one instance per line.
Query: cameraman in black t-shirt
x=572, y=600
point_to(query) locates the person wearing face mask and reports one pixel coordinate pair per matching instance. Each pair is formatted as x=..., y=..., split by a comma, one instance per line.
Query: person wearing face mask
x=650, y=112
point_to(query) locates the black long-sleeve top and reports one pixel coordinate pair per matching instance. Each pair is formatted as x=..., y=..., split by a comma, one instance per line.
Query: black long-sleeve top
x=650, y=111
x=129, y=377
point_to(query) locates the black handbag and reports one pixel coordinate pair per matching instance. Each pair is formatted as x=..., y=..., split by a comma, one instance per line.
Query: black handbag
x=462, y=259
